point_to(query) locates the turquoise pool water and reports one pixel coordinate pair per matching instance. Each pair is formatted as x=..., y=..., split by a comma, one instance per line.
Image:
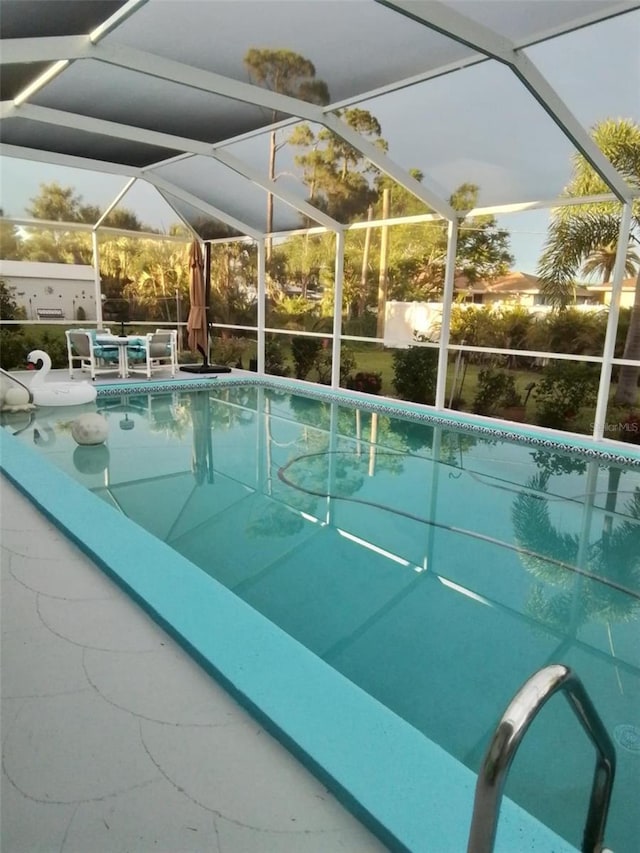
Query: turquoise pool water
x=434, y=567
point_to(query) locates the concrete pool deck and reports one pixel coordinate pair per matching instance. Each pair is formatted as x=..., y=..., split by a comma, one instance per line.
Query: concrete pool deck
x=114, y=739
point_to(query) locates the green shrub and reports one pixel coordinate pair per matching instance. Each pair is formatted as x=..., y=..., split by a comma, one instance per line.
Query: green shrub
x=53, y=343
x=569, y=331
x=562, y=390
x=16, y=346
x=324, y=363
x=415, y=372
x=229, y=350
x=305, y=351
x=274, y=358
x=13, y=349
x=495, y=390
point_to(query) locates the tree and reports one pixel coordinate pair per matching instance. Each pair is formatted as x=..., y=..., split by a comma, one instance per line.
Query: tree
x=10, y=245
x=12, y=343
x=418, y=252
x=163, y=272
x=9, y=309
x=336, y=173
x=55, y=203
x=286, y=73
x=233, y=273
x=483, y=248
x=577, y=232
x=601, y=262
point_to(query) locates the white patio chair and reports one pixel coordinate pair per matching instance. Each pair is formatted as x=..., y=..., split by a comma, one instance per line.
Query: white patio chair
x=94, y=358
x=158, y=351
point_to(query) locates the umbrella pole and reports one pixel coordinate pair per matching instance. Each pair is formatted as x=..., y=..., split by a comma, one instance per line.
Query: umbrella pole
x=207, y=296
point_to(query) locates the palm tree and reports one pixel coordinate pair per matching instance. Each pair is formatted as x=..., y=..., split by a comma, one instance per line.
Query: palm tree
x=576, y=233
x=601, y=262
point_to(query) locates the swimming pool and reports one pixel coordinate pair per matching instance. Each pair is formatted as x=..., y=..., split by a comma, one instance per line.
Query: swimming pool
x=434, y=568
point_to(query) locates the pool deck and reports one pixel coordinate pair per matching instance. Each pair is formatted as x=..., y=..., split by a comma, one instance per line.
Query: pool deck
x=113, y=739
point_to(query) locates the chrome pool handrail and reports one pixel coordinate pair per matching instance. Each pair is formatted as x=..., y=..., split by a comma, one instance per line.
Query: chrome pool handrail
x=515, y=721
x=12, y=378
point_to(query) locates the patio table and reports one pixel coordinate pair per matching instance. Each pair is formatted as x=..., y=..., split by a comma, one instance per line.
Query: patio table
x=122, y=342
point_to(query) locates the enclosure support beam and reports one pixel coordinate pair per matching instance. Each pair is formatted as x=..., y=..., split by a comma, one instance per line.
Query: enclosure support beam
x=262, y=296
x=447, y=299
x=337, y=310
x=612, y=324
x=96, y=278
x=116, y=201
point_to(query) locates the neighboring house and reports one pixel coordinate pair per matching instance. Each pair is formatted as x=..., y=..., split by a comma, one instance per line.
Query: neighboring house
x=51, y=291
x=602, y=292
x=515, y=288
x=403, y=320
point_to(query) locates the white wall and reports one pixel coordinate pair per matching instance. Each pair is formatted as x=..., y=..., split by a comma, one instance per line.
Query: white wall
x=65, y=286
x=403, y=320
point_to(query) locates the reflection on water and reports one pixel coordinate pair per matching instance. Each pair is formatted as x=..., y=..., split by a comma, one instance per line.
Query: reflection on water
x=436, y=568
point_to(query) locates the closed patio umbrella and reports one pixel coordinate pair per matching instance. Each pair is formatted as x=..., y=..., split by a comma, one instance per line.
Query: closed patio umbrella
x=197, y=326
x=198, y=321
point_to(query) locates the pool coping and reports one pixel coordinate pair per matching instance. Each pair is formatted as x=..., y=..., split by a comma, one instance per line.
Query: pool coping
x=402, y=786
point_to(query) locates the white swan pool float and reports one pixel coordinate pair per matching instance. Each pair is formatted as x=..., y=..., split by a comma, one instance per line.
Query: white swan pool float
x=57, y=393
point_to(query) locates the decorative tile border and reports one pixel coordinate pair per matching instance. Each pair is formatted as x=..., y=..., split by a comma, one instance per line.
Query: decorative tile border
x=584, y=446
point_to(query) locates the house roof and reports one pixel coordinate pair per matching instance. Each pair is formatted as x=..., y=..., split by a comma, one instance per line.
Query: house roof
x=627, y=284
x=513, y=283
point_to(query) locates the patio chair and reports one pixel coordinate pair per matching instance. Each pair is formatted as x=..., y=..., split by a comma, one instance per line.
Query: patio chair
x=157, y=351
x=94, y=358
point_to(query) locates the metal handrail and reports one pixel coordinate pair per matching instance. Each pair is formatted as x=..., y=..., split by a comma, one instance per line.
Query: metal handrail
x=12, y=378
x=507, y=738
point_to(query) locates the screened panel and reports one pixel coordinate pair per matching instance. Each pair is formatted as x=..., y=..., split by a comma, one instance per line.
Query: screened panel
x=527, y=231
x=393, y=282
x=371, y=369
x=355, y=47
x=300, y=282
x=56, y=246
x=475, y=126
x=595, y=91
x=22, y=182
x=206, y=226
x=32, y=18
x=144, y=280
x=15, y=78
x=67, y=140
x=234, y=292
x=87, y=87
x=319, y=167
x=144, y=209
x=223, y=188
x=526, y=20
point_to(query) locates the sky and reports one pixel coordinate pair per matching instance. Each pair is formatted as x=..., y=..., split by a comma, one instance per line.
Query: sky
x=476, y=125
